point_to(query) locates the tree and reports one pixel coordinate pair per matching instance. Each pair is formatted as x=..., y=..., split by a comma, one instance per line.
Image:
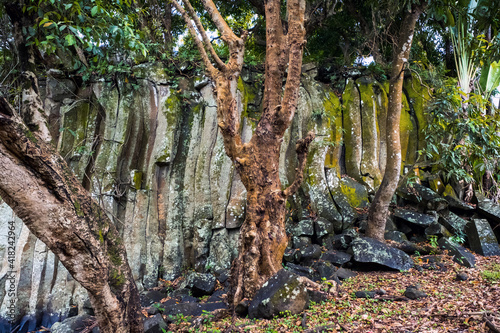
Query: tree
x=42, y=190
x=379, y=208
x=262, y=236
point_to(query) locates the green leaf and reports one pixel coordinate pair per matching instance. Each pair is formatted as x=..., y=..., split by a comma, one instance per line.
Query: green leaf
x=70, y=40
x=93, y=12
x=490, y=77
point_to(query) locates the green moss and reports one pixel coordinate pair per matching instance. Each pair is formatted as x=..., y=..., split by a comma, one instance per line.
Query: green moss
x=114, y=256
x=137, y=181
x=30, y=136
x=116, y=278
x=78, y=209
x=333, y=110
x=101, y=237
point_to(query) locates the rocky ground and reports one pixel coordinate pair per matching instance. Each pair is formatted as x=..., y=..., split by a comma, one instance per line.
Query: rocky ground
x=452, y=299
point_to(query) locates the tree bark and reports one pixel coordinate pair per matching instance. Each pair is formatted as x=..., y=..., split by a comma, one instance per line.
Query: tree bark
x=379, y=209
x=41, y=189
x=262, y=236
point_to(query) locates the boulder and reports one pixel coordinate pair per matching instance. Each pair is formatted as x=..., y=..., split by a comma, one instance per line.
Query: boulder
x=173, y=310
x=300, y=242
x=310, y=252
x=73, y=324
x=154, y=324
x=308, y=272
x=482, y=238
x=201, y=284
x=414, y=218
x=423, y=196
x=365, y=294
x=344, y=273
x=324, y=269
x=302, y=228
x=459, y=253
x=452, y=222
x=336, y=257
x=414, y=292
x=491, y=211
x=396, y=236
x=151, y=296
x=282, y=293
x=322, y=227
x=454, y=202
x=370, y=251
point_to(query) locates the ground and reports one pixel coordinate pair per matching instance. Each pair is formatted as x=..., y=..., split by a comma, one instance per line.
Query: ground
x=451, y=305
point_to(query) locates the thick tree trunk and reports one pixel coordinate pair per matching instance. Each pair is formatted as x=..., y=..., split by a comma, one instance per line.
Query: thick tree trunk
x=38, y=185
x=262, y=237
x=379, y=209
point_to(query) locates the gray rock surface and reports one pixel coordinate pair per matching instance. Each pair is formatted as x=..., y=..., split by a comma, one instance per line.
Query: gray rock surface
x=481, y=238
x=459, y=253
x=282, y=293
x=369, y=251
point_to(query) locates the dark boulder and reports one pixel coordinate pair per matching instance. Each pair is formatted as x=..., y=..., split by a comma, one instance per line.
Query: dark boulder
x=155, y=324
x=73, y=324
x=370, y=251
x=201, y=284
x=491, y=211
x=459, y=253
x=414, y=292
x=212, y=306
x=396, y=236
x=336, y=257
x=482, y=238
x=452, y=222
x=152, y=296
x=323, y=227
x=310, y=252
x=317, y=296
x=461, y=276
x=301, y=242
x=423, y=196
x=307, y=272
x=282, y=293
x=302, y=228
x=344, y=273
x=414, y=218
x=365, y=294
x=324, y=269
x=174, y=311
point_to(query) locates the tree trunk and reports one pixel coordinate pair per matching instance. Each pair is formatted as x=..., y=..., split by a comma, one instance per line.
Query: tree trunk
x=379, y=209
x=262, y=236
x=41, y=189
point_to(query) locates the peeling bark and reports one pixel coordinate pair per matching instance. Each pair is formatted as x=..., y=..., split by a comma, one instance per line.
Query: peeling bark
x=379, y=209
x=41, y=189
x=262, y=236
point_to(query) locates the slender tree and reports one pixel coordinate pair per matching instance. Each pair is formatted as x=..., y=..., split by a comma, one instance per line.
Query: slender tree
x=379, y=209
x=262, y=236
x=42, y=190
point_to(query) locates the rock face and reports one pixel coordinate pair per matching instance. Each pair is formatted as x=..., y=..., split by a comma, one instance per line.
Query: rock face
x=154, y=158
x=283, y=292
x=370, y=251
x=459, y=253
x=482, y=239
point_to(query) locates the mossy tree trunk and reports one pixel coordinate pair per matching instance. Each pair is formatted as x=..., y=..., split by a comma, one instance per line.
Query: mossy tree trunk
x=41, y=189
x=262, y=236
x=379, y=209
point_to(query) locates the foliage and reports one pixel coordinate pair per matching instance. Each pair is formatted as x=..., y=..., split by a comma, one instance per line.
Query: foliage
x=464, y=144
x=104, y=31
x=492, y=273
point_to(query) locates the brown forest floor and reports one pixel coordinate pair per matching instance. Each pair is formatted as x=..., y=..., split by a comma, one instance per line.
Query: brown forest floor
x=451, y=305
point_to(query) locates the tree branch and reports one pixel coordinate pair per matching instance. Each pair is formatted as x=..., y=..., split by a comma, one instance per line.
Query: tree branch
x=295, y=41
x=302, y=148
x=210, y=68
x=220, y=64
